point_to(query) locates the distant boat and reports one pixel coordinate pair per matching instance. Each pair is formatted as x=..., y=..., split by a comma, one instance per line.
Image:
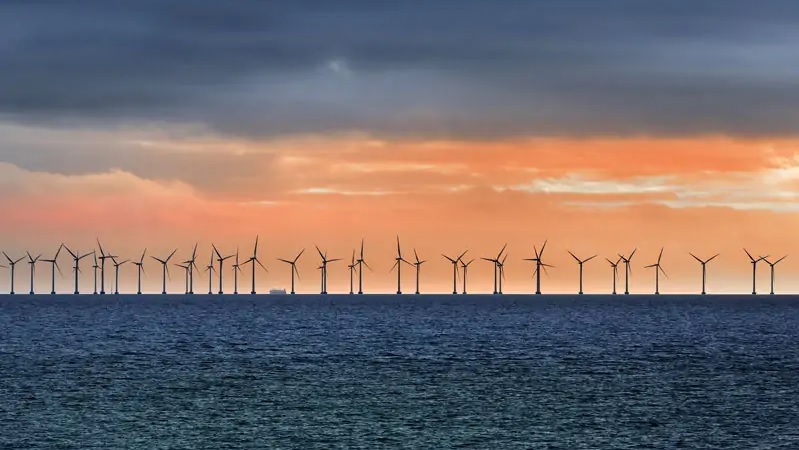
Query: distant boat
x=277, y=292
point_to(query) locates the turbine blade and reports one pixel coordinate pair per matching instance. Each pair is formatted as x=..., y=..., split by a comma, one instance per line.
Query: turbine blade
x=695, y=257
x=502, y=251
x=416, y=255
x=749, y=254
x=660, y=256
x=298, y=256
x=575, y=258
x=171, y=254
x=285, y=261
x=714, y=257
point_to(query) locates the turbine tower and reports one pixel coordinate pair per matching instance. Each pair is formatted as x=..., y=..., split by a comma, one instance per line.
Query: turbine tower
x=186, y=268
x=323, y=268
x=627, y=270
x=351, y=266
x=221, y=260
x=210, y=269
x=754, y=269
x=398, y=260
x=53, y=266
x=465, y=267
x=139, y=270
x=539, y=266
x=418, y=265
x=495, y=261
x=12, y=264
x=501, y=267
x=704, y=269
x=455, y=262
x=615, y=267
x=32, y=263
x=76, y=257
x=361, y=262
x=254, y=260
x=771, y=265
x=95, y=267
x=658, y=269
x=103, y=257
x=236, y=270
x=116, y=274
x=581, y=262
x=293, y=264
x=165, y=269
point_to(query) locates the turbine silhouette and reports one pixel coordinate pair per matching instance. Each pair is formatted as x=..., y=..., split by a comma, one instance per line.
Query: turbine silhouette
x=418, y=264
x=77, y=257
x=704, y=268
x=627, y=270
x=254, y=260
x=581, y=262
x=754, y=269
x=539, y=266
x=293, y=264
x=455, y=262
x=165, y=269
x=772, y=265
x=615, y=267
x=495, y=261
x=53, y=266
x=398, y=265
x=658, y=269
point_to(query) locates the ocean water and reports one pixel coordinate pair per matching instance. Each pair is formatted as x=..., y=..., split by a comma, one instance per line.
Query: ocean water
x=307, y=372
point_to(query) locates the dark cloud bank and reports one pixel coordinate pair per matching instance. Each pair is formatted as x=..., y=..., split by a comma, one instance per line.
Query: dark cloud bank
x=439, y=68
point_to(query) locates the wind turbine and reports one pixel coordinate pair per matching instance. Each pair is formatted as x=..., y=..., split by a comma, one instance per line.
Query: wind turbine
x=495, y=261
x=539, y=266
x=501, y=267
x=418, y=265
x=76, y=258
x=704, y=268
x=352, y=267
x=581, y=262
x=754, y=269
x=253, y=260
x=165, y=268
x=32, y=263
x=186, y=269
x=103, y=257
x=627, y=270
x=192, y=265
x=615, y=267
x=116, y=274
x=772, y=269
x=236, y=270
x=221, y=260
x=53, y=266
x=455, y=270
x=658, y=268
x=12, y=265
x=465, y=267
x=140, y=269
x=323, y=267
x=293, y=264
x=397, y=264
x=210, y=269
x=361, y=262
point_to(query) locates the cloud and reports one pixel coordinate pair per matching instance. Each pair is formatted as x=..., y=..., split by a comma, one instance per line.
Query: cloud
x=448, y=68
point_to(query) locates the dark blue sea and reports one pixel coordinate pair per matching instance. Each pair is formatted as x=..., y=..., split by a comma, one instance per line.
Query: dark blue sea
x=484, y=372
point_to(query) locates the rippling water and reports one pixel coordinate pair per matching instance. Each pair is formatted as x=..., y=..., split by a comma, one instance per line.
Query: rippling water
x=416, y=372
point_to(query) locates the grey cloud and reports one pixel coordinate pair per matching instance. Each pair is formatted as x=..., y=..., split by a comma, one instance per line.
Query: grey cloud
x=443, y=68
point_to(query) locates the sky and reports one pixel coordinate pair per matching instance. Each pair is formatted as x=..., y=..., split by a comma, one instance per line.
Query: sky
x=598, y=126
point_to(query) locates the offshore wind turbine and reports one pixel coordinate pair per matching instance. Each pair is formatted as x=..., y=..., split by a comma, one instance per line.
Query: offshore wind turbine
x=53, y=266
x=455, y=270
x=539, y=266
x=627, y=270
x=615, y=267
x=754, y=269
x=581, y=262
x=186, y=268
x=771, y=265
x=398, y=265
x=32, y=263
x=192, y=265
x=351, y=266
x=139, y=270
x=323, y=268
x=12, y=264
x=116, y=274
x=221, y=260
x=658, y=268
x=361, y=262
x=495, y=261
x=210, y=269
x=103, y=257
x=76, y=257
x=501, y=267
x=465, y=267
x=418, y=265
x=293, y=264
x=704, y=268
x=254, y=260
x=165, y=269
x=95, y=267
x=236, y=270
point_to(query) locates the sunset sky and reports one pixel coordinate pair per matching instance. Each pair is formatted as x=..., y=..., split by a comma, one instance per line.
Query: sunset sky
x=600, y=126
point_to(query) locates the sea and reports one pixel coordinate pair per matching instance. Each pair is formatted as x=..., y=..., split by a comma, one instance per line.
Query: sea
x=418, y=372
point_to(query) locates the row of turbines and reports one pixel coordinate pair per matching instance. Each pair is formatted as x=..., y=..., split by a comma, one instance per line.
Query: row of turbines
x=459, y=268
